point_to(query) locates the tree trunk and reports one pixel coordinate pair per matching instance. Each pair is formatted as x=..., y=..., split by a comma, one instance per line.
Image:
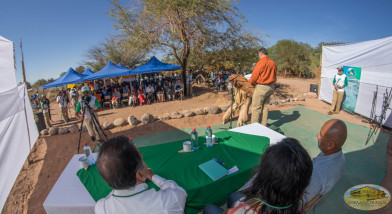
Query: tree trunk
x=183, y=74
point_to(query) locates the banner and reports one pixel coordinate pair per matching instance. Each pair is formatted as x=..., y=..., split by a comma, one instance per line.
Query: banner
x=351, y=90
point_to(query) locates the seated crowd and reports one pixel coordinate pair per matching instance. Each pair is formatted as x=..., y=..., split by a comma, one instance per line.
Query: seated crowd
x=286, y=180
x=143, y=90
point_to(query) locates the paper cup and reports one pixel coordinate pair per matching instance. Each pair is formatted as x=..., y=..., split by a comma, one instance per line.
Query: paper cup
x=84, y=162
x=186, y=146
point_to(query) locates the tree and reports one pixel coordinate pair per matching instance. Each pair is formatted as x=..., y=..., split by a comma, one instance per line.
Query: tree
x=117, y=50
x=39, y=83
x=80, y=69
x=179, y=26
x=292, y=57
x=62, y=73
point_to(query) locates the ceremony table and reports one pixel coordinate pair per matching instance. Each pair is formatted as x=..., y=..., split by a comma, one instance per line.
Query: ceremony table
x=69, y=195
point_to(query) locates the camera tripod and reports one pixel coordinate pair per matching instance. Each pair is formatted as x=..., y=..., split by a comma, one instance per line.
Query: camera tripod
x=94, y=120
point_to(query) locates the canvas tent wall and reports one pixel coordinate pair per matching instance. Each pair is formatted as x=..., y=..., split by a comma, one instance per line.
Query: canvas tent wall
x=375, y=60
x=18, y=131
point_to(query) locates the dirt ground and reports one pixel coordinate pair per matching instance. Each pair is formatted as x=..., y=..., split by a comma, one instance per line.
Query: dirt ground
x=51, y=154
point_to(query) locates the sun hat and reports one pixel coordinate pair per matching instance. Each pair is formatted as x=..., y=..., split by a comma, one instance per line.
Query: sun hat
x=85, y=89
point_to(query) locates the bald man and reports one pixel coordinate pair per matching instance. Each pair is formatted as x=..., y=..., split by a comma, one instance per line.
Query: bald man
x=329, y=164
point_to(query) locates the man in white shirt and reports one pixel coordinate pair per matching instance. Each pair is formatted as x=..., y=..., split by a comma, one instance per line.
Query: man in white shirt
x=340, y=81
x=150, y=92
x=121, y=165
x=62, y=100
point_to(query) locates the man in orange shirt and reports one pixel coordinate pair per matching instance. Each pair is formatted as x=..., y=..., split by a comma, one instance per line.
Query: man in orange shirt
x=263, y=78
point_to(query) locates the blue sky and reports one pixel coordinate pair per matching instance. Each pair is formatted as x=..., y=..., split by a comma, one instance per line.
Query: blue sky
x=57, y=34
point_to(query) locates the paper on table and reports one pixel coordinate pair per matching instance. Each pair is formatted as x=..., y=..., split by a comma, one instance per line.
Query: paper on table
x=232, y=170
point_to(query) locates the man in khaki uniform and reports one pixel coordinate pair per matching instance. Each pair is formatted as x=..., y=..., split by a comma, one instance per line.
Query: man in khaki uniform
x=263, y=78
x=339, y=82
x=45, y=105
x=63, y=100
x=94, y=104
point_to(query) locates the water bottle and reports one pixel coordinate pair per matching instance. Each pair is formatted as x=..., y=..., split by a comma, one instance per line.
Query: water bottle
x=131, y=141
x=87, y=152
x=209, y=136
x=194, y=139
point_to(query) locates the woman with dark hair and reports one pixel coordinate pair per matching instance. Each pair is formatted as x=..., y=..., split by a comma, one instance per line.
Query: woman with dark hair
x=284, y=173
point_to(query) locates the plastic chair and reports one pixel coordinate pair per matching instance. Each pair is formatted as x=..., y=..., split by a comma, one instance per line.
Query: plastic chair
x=125, y=98
x=107, y=101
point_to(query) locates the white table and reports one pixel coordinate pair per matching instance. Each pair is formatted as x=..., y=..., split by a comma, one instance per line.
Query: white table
x=70, y=196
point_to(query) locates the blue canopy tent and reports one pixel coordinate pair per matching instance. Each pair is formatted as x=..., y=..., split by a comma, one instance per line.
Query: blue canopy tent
x=121, y=66
x=110, y=70
x=70, y=77
x=154, y=65
x=87, y=72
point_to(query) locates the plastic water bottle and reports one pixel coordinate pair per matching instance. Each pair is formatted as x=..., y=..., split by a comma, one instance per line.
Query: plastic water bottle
x=209, y=136
x=131, y=141
x=87, y=152
x=194, y=139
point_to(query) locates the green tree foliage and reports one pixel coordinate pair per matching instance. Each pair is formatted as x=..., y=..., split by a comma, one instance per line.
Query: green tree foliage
x=292, y=58
x=42, y=82
x=117, y=50
x=184, y=28
x=80, y=69
x=62, y=73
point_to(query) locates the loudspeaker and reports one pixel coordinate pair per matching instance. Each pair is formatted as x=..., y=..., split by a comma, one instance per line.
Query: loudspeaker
x=41, y=121
x=314, y=88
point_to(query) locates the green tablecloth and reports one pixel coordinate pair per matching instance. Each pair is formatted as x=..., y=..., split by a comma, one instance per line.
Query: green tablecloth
x=234, y=148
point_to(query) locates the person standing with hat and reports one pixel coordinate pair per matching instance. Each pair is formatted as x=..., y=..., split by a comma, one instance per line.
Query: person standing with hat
x=63, y=100
x=340, y=81
x=93, y=105
x=263, y=78
x=45, y=105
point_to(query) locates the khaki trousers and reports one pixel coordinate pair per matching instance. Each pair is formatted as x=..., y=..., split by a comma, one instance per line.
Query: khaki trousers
x=47, y=120
x=90, y=128
x=260, y=104
x=64, y=113
x=337, y=101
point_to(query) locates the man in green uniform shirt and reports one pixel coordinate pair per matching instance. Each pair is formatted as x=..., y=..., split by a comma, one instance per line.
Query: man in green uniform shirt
x=83, y=104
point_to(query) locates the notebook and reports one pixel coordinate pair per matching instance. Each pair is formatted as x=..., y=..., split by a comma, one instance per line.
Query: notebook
x=213, y=169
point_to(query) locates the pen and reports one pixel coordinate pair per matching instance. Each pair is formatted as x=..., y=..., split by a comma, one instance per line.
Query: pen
x=219, y=161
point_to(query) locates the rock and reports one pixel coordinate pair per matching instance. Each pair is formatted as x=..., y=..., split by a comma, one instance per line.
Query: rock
x=164, y=117
x=200, y=111
x=295, y=98
x=147, y=118
x=310, y=95
x=107, y=125
x=176, y=115
x=291, y=100
x=224, y=108
x=213, y=110
x=189, y=113
x=44, y=132
x=63, y=130
x=120, y=122
x=282, y=101
x=73, y=129
x=301, y=99
x=53, y=131
x=133, y=120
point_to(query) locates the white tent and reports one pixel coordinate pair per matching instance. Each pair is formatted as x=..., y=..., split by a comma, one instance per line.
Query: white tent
x=18, y=131
x=375, y=60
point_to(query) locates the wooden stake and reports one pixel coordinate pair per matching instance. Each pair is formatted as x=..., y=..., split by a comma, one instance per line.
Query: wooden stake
x=23, y=67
